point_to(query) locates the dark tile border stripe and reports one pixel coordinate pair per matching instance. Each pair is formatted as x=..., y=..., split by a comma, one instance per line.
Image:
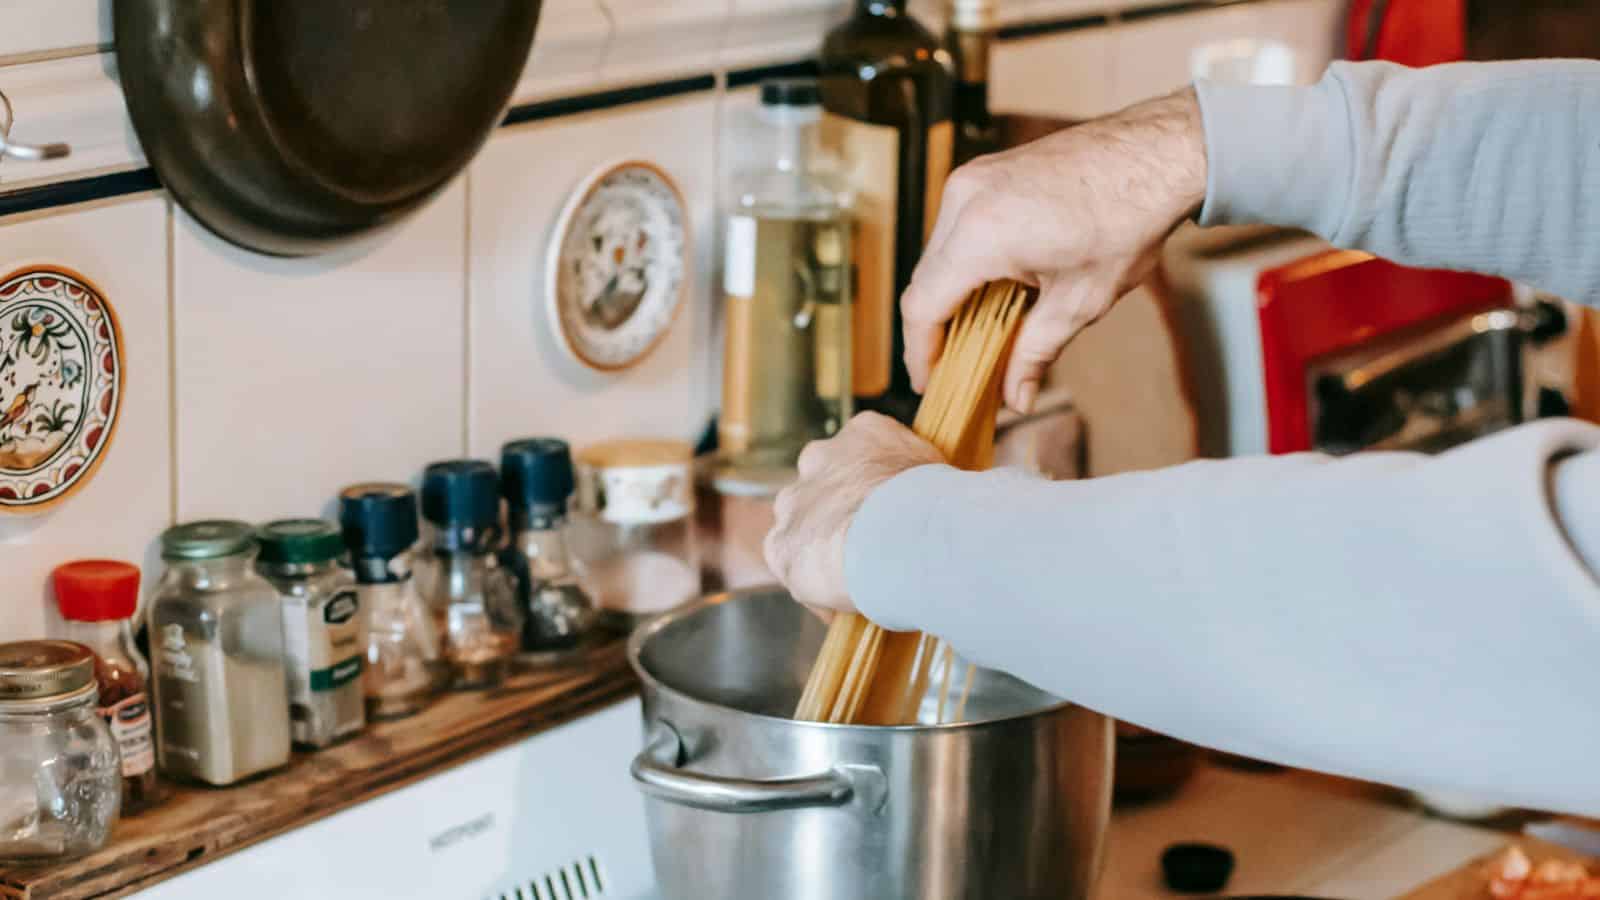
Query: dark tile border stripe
x=800, y=68
x=582, y=103
x=1168, y=9
x=1023, y=30
x=82, y=190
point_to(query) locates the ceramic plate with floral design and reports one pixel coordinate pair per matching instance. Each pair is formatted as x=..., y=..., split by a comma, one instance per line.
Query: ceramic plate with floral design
x=617, y=265
x=60, y=385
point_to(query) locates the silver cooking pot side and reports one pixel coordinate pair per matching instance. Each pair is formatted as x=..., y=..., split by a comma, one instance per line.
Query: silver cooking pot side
x=744, y=803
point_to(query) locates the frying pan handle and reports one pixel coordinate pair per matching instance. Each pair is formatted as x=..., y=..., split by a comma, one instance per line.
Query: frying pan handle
x=19, y=150
x=659, y=773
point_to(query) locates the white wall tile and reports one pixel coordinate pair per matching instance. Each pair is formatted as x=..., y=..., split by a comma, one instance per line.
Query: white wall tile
x=121, y=247
x=1313, y=28
x=568, y=48
x=1064, y=74
x=1152, y=56
x=521, y=382
x=657, y=39
x=769, y=31
x=296, y=377
x=35, y=26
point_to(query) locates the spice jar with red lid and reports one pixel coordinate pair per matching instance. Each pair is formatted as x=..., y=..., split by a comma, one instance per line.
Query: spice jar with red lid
x=98, y=598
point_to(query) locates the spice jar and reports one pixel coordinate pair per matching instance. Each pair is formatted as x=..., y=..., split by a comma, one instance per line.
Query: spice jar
x=473, y=598
x=323, y=650
x=60, y=782
x=638, y=532
x=216, y=642
x=403, y=665
x=536, y=478
x=97, y=597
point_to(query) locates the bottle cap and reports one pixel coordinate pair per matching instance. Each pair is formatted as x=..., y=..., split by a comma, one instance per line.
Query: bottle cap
x=35, y=670
x=210, y=539
x=299, y=542
x=973, y=15
x=790, y=92
x=96, y=590
x=461, y=494
x=536, y=474
x=379, y=519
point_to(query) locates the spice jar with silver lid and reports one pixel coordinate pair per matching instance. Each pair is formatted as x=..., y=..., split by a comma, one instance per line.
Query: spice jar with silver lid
x=216, y=645
x=322, y=628
x=404, y=670
x=60, y=776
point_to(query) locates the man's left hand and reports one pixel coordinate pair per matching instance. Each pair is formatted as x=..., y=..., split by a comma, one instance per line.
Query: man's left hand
x=805, y=548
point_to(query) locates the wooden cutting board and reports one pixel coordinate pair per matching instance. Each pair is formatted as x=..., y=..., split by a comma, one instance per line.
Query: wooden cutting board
x=1471, y=881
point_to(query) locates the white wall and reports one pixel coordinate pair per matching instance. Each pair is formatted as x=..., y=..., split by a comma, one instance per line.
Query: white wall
x=256, y=387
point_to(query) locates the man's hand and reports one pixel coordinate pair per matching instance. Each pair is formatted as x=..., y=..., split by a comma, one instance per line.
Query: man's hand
x=805, y=548
x=1080, y=214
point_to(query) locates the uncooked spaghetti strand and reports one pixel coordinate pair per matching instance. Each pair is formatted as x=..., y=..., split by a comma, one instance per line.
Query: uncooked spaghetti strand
x=863, y=672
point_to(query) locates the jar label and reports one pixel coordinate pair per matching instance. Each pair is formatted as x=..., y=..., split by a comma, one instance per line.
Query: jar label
x=322, y=646
x=129, y=720
x=644, y=495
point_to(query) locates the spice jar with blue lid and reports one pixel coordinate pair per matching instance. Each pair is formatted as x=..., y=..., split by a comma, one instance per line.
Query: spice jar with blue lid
x=403, y=671
x=472, y=597
x=536, y=477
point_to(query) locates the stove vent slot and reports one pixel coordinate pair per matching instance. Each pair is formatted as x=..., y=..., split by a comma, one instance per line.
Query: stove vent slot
x=579, y=880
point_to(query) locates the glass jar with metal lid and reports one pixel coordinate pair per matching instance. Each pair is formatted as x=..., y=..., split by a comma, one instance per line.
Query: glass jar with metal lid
x=216, y=645
x=322, y=628
x=60, y=780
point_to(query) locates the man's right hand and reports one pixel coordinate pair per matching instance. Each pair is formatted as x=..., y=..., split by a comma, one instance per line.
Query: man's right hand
x=1080, y=214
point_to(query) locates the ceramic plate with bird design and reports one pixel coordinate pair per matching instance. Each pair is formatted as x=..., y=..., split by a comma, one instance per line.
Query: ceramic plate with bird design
x=60, y=385
x=617, y=265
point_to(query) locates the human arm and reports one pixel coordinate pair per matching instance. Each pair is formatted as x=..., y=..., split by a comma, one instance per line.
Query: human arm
x=1480, y=167
x=1428, y=622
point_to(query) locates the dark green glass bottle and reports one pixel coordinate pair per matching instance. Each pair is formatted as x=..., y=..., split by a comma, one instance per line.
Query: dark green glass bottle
x=971, y=32
x=886, y=90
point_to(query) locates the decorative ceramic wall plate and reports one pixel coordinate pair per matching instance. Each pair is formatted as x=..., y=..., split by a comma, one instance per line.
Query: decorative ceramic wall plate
x=617, y=265
x=60, y=385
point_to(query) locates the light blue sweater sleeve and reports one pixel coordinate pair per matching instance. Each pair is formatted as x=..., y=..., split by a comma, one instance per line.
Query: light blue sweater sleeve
x=1428, y=622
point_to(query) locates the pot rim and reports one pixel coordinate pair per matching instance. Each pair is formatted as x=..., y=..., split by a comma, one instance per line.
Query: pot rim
x=644, y=632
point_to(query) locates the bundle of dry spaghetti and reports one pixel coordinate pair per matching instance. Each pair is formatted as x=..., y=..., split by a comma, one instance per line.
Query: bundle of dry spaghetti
x=869, y=676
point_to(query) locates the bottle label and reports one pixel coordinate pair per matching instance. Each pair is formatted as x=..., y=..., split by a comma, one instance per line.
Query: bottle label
x=322, y=646
x=129, y=720
x=739, y=267
x=870, y=155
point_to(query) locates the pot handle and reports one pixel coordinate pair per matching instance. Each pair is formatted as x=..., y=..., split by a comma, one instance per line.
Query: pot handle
x=659, y=774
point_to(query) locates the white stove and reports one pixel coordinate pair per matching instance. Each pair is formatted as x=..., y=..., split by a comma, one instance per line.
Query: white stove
x=555, y=817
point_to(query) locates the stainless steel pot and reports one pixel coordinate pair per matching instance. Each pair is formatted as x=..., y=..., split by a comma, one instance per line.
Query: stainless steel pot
x=745, y=803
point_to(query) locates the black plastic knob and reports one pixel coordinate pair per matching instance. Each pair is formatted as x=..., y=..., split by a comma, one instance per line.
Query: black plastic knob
x=1196, y=868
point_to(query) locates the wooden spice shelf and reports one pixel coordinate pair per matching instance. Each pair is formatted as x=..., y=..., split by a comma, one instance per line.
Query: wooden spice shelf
x=196, y=825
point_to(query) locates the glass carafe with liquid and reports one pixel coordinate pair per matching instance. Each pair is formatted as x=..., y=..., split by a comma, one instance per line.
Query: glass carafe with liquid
x=787, y=287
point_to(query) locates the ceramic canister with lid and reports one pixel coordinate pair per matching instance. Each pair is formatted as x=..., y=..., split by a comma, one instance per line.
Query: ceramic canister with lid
x=60, y=779
x=216, y=645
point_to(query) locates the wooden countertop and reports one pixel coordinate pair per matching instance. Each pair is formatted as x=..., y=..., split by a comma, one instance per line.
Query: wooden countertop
x=196, y=825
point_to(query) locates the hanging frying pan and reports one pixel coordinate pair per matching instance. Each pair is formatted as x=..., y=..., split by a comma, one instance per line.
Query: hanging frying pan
x=290, y=126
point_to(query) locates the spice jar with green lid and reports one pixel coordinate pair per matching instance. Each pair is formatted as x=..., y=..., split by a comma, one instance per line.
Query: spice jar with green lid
x=60, y=781
x=216, y=645
x=322, y=628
